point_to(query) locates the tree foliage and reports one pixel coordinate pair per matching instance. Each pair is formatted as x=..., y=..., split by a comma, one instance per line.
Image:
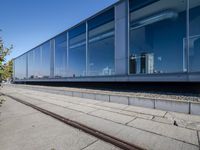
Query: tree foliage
x=4, y=51
x=7, y=70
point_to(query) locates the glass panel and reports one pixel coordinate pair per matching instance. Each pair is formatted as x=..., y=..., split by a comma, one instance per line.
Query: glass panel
x=45, y=62
x=101, y=45
x=37, y=63
x=31, y=64
x=60, y=56
x=77, y=51
x=157, y=32
x=194, y=39
x=20, y=67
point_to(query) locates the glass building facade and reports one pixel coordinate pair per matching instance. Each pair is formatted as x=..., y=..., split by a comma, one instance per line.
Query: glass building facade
x=101, y=44
x=131, y=37
x=77, y=51
x=20, y=67
x=60, y=61
x=39, y=62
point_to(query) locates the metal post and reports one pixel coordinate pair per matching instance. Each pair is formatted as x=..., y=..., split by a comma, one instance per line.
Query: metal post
x=86, y=68
x=128, y=36
x=26, y=65
x=188, y=34
x=52, y=59
x=67, y=67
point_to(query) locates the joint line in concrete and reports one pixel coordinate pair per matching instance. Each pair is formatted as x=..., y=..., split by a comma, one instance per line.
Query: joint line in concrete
x=89, y=144
x=198, y=139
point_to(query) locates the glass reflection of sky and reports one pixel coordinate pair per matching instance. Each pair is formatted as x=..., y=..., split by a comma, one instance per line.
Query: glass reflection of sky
x=60, y=56
x=20, y=67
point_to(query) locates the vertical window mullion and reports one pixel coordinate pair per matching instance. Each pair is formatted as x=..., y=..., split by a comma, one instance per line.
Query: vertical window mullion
x=86, y=68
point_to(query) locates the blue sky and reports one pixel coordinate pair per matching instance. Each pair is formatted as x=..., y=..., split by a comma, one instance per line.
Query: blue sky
x=27, y=23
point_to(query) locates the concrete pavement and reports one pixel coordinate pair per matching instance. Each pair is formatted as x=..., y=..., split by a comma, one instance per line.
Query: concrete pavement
x=23, y=128
x=148, y=128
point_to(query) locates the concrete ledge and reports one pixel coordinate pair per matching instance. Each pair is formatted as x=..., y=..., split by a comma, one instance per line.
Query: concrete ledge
x=149, y=103
x=119, y=99
x=77, y=94
x=88, y=95
x=172, y=105
x=58, y=92
x=195, y=108
x=69, y=93
x=102, y=97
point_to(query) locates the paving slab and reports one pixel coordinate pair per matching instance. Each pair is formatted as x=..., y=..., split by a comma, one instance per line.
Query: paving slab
x=80, y=108
x=116, y=117
x=100, y=145
x=72, y=106
x=147, y=111
x=192, y=118
x=85, y=100
x=113, y=105
x=180, y=122
x=100, y=124
x=182, y=134
x=185, y=120
x=65, y=112
x=163, y=120
x=130, y=113
x=151, y=141
x=102, y=107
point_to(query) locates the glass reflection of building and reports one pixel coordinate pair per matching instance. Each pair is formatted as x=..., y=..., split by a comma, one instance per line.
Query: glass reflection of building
x=157, y=28
x=60, y=58
x=77, y=51
x=194, y=36
x=162, y=37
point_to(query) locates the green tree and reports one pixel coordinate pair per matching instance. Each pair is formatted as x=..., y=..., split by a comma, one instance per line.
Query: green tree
x=4, y=51
x=7, y=70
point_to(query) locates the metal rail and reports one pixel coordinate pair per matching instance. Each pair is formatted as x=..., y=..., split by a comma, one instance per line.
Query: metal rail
x=100, y=135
